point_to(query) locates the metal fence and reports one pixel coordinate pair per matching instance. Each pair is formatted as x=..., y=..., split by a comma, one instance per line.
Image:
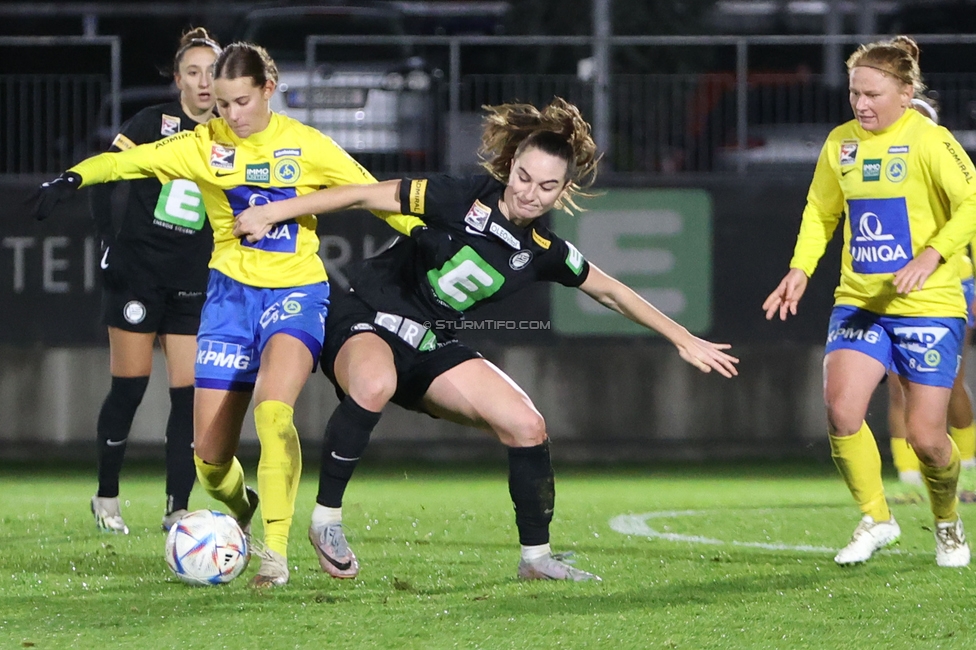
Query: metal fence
x=729, y=121
x=653, y=124
x=48, y=121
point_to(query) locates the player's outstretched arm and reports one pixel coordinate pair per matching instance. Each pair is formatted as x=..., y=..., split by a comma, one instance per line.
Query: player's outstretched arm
x=255, y=222
x=615, y=295
x=786, y=296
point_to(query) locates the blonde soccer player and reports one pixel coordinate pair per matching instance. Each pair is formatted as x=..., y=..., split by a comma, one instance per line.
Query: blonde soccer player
x=909, y=192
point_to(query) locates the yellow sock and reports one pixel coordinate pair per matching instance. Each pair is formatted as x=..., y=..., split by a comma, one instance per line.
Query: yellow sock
x=224, y=482
x=941, y=483
x=859, y=462
x=965, y=439
x=903, y=455
x=279, y=470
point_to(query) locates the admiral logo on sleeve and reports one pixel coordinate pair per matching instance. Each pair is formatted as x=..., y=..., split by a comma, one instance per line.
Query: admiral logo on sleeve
x=968, y=175
x=122, y=143
x=418, y=195
x=170, y=125
x=222, y=157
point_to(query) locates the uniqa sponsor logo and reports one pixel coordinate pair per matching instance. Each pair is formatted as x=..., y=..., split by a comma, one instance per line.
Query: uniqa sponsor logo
x=881, y=253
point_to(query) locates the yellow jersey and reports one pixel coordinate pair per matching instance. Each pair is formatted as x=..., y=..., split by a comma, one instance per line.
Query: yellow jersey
x=285, y=160
x=903, y=188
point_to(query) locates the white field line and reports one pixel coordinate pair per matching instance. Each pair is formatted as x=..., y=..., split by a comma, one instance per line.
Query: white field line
x=637, y=525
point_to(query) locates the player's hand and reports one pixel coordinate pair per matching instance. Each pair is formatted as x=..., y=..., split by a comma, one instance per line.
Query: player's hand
x=708, y=356
x=113, y=271
x=49, y=194
x=254, y=222
x=914, y=274
x=430, y=244
x=786, y=296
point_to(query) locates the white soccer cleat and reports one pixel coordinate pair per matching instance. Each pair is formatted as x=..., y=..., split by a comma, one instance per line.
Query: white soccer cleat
x=171, y=518
x=951, y=549
x=335, y=556
x=273, y=571
x=868, y=537
x=553, y=567
x=108, y=515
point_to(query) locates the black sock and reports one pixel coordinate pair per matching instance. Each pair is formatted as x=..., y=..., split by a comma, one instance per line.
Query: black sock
x=533, y=490
x=114, y=422
x=346, y=437
x=180, y=470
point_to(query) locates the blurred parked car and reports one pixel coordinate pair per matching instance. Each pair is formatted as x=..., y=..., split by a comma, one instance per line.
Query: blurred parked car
x=370, y=99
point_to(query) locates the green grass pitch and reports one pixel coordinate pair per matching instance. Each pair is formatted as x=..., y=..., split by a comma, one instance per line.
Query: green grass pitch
x=709, y=557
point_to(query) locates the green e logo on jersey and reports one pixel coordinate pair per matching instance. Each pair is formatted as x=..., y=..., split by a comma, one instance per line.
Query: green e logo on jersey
x=465, y=279
x=181, y=204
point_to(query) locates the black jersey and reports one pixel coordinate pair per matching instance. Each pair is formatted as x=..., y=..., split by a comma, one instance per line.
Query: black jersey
x=471, y=255
x=164, y=237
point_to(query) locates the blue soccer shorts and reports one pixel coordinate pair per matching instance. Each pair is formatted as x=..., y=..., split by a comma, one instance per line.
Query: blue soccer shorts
x=922, y=350
x=238, y=320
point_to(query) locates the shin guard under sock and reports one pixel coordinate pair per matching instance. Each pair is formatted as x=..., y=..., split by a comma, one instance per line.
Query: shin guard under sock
x=279, y=470
x=114, y=422
x=859, y=462
x=180, y=470
x=532, y=487
x=346, y=438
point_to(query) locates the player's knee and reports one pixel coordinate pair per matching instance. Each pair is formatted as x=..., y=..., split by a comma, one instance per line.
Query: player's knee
x=843, y=420
x=932, y=447
x=527, y=428
x=374, y=391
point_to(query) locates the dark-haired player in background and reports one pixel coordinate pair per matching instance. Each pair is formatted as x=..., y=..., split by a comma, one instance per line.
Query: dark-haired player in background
x=154, y=270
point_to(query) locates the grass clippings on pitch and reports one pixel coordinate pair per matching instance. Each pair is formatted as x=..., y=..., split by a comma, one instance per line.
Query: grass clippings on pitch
x=438, y=550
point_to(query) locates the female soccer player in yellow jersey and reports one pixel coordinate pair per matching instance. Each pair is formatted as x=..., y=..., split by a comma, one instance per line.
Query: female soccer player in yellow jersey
x=909, y=192
x=962, y=429
x=263, y=323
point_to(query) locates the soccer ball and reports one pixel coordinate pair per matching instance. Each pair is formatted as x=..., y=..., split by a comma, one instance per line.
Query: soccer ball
x=206, y=547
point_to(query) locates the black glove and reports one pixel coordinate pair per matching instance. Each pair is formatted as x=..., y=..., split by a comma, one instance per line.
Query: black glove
x=50, y=194
x=113, y=270
x=434, y=246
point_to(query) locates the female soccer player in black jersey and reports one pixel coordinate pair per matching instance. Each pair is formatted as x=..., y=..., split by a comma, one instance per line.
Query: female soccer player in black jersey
x=481, y=242
x=154, y=268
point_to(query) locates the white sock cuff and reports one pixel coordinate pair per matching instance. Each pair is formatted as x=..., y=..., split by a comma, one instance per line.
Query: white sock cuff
x=530, y=553
x=322, y=516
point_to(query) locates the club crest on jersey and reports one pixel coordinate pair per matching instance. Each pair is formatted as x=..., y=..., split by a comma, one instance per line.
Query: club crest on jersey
x=848, y=152
x=520, y=260
x=170, y=125
x=287, y=171
x=896, y=169
x=222, y=157
x=477, y=216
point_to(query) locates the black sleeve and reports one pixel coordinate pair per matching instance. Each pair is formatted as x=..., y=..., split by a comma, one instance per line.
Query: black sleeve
x=137, y=130
x=562, y=263
x=439, y=197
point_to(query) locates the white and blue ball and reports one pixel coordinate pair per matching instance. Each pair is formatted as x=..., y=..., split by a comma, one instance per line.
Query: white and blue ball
x=206, y=547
